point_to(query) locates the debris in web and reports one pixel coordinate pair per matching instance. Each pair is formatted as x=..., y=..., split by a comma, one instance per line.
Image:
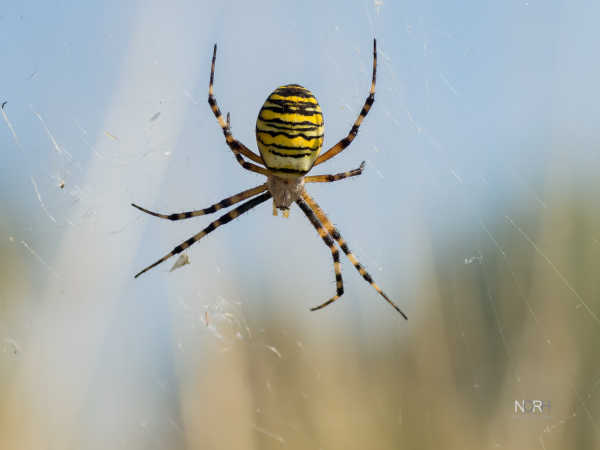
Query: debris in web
x=372, y=165
x=377, y=4
x=112, y=136
x=11, y=346
x=474, y=259
x=225, y=320
x=269, y=434
x=57, y=147
x=39, y=196
x=456, y=175
x=274, y=350
x=39, y=258
x=448, y=84
x=181, y=261
x=189, y=96
x=10, y=127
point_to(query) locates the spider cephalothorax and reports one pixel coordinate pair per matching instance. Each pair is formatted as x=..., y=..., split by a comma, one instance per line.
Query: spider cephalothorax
x=285, y=191
x=289, y=133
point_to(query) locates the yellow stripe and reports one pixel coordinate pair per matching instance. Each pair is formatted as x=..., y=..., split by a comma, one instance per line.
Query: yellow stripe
x=267, y=114
x=312, y=143
x=293, y=98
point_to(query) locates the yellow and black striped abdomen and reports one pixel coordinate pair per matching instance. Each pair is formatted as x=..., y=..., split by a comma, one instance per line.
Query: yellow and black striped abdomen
x=289, y=131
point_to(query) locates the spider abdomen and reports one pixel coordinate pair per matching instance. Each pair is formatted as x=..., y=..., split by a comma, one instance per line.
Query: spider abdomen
x=289, y=131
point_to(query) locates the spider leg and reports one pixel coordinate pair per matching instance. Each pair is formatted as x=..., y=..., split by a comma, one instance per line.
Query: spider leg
x=336, y=177
x=211, y=227
x=334, y=252
x=341, y=145
x=236, y=147
x=225, y=203
x=335, y=234
x=246, y=149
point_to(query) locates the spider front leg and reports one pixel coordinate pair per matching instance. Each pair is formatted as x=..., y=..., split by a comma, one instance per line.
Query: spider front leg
x=336, y=177
x=211, y=209
x=335, y=254
x=337, y=148
x=335, y=234
x=236, y=147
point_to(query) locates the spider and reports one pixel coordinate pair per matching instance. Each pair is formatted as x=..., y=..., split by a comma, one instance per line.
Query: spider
x=289, y=134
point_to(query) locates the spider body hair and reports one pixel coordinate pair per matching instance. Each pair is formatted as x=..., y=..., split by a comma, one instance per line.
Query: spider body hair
x=285, y=191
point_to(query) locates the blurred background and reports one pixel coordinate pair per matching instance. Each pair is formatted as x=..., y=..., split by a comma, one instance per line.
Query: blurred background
x=478, y=213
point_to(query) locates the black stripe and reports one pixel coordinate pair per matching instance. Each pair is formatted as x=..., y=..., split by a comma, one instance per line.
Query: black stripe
x=295, y=111
x=299, y=155
x=289, y=107
x=189, y=214
x=287, y=147
x=327, y=239
x=225, y=203
x=285, y=122
x=293, y=90
x=289, y=128
x=287, y=135
x=211, y=209
x=286, y=170
x=297, y=103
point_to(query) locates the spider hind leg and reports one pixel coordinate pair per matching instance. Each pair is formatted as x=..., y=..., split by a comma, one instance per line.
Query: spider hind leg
x=335, y=234
x=225, y=218
x=335, y=254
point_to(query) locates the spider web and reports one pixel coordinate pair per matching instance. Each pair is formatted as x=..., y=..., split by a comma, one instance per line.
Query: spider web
x=477, y=213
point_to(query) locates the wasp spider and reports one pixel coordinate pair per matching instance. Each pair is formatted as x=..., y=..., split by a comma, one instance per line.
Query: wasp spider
x=289, y=133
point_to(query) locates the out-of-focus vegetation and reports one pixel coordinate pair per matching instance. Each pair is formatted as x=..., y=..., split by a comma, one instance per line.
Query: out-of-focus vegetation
x=518, y=321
